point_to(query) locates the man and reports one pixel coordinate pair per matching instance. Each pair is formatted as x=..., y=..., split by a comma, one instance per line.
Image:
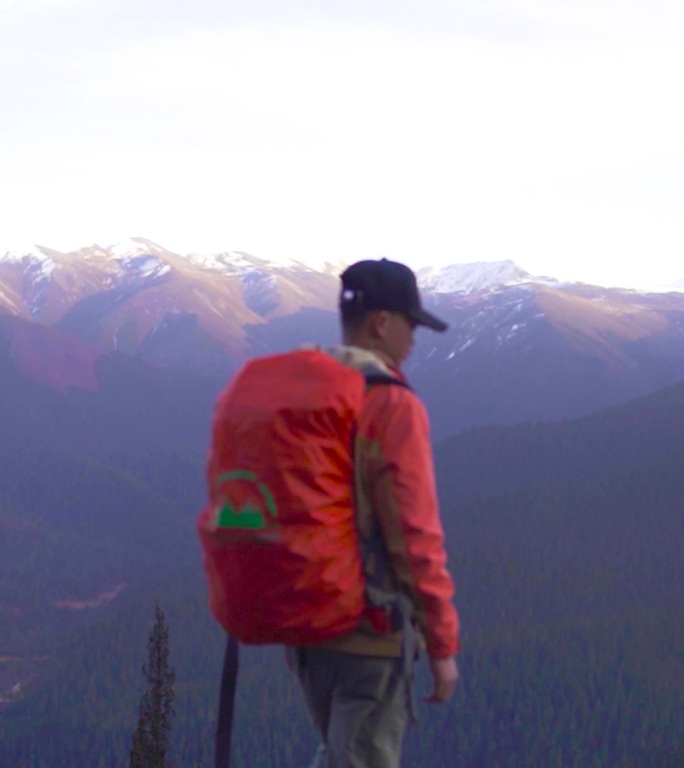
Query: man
x=358, y=686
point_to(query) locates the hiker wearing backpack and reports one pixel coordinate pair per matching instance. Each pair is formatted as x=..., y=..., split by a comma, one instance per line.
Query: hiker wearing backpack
x=322, y=530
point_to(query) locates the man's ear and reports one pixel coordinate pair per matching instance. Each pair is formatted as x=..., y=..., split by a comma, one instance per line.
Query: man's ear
x=379, y=322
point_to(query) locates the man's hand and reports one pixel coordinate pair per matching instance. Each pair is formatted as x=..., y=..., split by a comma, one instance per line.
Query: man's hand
x=444, y=678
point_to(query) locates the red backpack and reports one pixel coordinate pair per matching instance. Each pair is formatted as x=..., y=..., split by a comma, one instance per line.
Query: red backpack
x=279, y=537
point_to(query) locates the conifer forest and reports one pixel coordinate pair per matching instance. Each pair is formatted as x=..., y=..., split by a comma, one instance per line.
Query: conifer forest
x=565, y=542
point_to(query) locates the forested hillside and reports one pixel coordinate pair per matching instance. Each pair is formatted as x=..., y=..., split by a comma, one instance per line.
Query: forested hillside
x=569, y=586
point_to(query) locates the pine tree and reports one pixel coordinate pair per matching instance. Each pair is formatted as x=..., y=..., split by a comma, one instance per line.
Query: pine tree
x=151, y=737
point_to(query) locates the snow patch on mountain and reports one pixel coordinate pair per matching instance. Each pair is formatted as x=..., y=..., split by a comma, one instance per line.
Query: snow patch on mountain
x=478, y=276
x=145, y=266
x=37, y=269
x=131, y=247
x=229, y=262
x=38, y=276
x=240, y=263
x=259, y=277
x=41, y=268
x=30, y=253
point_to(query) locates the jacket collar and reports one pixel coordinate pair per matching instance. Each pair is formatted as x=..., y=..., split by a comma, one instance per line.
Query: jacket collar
x=363, y=360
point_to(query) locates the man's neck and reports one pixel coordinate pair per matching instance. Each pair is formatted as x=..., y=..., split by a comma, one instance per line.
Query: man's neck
x=367, y=345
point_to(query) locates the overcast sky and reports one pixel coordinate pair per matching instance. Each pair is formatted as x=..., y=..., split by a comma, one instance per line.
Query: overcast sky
x=549, y=132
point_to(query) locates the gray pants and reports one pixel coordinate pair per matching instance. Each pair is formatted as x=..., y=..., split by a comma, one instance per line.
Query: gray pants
x=360, y=706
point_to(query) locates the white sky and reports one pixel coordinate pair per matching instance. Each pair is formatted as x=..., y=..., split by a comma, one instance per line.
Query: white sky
x=550, y=132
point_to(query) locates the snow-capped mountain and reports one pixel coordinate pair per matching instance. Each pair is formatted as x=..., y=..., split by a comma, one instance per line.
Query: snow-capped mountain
x=479, y=276
x=138, y=297
x=137, y=259
x=518, y=347
x=269, y=288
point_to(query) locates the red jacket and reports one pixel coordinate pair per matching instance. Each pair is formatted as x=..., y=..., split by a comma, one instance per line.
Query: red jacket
x=395, y=490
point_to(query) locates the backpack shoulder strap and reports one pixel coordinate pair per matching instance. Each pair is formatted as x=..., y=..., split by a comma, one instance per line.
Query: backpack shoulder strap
x=384, y=378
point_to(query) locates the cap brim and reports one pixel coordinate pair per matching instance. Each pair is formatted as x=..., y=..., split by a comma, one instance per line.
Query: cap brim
x=430, y=321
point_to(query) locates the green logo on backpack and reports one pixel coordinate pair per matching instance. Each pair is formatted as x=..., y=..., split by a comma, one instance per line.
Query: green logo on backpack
x=247, y=503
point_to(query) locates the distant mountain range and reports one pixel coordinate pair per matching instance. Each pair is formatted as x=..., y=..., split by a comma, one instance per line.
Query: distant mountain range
x=519, y=347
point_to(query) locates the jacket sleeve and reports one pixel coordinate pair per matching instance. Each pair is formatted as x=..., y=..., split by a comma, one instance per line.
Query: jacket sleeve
x=401, y=486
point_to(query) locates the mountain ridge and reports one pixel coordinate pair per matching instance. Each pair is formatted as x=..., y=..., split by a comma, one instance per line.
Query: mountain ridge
x=618, y=437
x=519, y=347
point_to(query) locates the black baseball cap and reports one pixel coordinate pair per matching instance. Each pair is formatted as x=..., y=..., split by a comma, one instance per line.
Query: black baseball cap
x=386, y=285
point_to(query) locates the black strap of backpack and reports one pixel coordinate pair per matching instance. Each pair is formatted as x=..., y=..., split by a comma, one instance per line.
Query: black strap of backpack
x=224, y=727
x=384, y=378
